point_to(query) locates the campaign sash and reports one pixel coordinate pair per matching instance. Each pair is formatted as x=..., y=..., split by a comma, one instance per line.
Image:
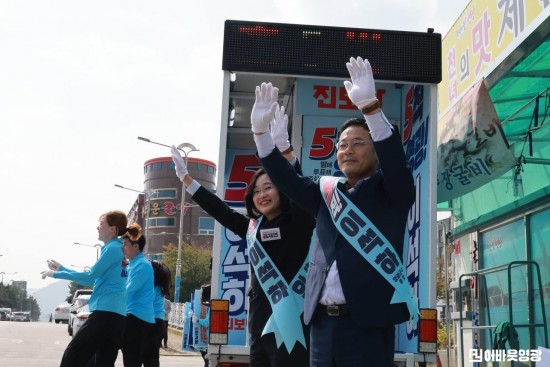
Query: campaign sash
x=369, y=242
x=287, y=301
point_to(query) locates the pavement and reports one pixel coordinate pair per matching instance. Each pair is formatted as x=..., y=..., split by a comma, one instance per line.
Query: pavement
x=174, y=345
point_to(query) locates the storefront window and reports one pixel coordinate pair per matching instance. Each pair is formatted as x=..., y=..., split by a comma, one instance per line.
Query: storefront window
x=501, y=246
x=540, y=245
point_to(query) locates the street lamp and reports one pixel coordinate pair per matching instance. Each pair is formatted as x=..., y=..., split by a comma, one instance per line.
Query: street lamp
x=148, y=195
x=4, y=273
x=97, y=247
x=186, y=148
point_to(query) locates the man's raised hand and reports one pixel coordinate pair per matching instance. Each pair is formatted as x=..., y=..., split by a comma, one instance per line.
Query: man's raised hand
x=361, y=90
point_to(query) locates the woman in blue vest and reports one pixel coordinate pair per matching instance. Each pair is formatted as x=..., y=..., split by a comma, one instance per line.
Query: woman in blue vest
x=102, y=333
x=140, y=317
x=163, y=283
x=284, y=234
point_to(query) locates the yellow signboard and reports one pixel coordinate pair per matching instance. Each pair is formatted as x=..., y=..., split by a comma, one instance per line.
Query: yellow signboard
x=485, y=33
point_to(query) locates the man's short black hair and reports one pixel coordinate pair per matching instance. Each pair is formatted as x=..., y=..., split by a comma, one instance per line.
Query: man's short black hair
x=354, y=122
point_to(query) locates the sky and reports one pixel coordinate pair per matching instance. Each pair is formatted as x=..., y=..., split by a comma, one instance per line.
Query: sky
x=81, y=80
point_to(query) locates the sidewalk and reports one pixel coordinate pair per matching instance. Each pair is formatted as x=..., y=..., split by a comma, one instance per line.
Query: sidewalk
x=174, y=345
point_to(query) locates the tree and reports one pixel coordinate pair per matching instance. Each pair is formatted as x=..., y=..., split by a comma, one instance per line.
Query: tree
x=17, y=299
x=195, y=268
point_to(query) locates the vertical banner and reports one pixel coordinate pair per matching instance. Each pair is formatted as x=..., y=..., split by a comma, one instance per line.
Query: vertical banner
x=233, y=274
x=185, y=331
x=199, y=310
x=472, y=149
x=415, y=130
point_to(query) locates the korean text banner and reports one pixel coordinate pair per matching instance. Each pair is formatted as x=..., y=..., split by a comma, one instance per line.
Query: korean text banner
x=472, y=149
x=233, y=273
x=486, y=32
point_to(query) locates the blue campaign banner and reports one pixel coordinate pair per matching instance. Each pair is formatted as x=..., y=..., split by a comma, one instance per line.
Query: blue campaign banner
x=328, y=97
x=199, y=312
x=185, y=331
x=233, y=273
x=417, y=128
x=324, y=106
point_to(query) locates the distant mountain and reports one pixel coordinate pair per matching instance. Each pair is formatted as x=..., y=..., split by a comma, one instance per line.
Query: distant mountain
x=49, y=297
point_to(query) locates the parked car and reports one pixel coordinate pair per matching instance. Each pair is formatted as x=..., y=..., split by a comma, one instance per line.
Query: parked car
x=61, y=313
x=80, y=318
x=78, y=302
x=80, y=292
x=5, y=314
x=21, y=316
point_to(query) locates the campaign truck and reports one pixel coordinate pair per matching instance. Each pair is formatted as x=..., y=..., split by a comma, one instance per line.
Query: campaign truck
x=308, y=65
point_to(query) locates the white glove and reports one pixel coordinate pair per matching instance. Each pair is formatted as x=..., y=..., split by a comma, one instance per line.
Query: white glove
x=181, y=168
x=195, y=320
x=361, y=90
x=279, y=129
x=47, y=273
x=191, y=313
x=54, y=265
x=264, y=107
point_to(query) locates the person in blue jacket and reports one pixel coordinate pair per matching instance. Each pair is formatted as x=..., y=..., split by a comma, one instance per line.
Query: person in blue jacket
x=348, y=298
x=163, y=283
x=102, y=333
x=140, y=294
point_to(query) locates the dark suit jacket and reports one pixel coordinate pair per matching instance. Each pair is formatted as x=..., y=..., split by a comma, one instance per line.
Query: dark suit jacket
x=385, y=198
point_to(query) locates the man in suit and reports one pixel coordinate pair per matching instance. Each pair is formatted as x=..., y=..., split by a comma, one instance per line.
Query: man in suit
x=347, y=298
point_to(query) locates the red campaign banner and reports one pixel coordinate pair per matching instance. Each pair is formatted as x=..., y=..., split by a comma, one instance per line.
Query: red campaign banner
x=472, y=149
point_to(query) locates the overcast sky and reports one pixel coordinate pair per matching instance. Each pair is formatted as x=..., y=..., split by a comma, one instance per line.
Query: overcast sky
x=80, y=80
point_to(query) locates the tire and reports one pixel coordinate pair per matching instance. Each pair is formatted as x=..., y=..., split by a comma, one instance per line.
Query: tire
x=57, y=321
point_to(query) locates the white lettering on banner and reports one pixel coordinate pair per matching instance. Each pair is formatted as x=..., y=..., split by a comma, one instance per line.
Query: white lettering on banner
x=352, y=223
x=266, y=270
x=235, y=271
x=270, y=234
x=335, y=205
x=413, y=257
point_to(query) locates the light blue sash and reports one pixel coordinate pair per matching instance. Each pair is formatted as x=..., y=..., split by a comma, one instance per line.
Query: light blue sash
x=369, y=242
x=287, y=302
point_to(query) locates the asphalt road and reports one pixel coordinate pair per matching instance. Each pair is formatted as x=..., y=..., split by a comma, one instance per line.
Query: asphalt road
x=41, y=344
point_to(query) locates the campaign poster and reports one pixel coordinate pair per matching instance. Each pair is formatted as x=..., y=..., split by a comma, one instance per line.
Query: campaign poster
x=472, y=149
x=233, y=275
x=418, y=131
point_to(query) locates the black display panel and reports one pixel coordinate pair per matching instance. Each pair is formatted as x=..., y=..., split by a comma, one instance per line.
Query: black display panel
x=279, y=48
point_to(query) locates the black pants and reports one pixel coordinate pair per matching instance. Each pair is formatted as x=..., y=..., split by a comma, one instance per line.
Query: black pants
x=165, y=335
x=264, y=353
x=337, y=341
x=100, y=335
x=134, y=340
x=152, y=342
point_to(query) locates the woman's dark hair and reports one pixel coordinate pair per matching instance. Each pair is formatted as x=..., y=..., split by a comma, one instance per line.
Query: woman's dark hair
x=118, y=219
x=163, y=277
x=251, y=210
